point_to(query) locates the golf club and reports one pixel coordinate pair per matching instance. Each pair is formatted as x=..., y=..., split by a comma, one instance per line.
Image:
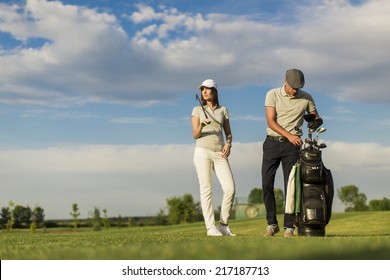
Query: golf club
x=310, y=143
x=322, y=146
x=320, y=130
x=201, y=105
x=298, y=129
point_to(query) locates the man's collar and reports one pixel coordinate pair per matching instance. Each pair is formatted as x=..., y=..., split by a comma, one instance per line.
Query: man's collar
x=284, y=93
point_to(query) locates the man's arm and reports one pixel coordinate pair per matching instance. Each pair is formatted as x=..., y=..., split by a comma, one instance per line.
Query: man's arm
x=315, y=113
x=270, y=114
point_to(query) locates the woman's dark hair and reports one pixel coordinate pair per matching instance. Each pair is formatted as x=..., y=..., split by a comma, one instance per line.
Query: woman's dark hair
x=214, y=93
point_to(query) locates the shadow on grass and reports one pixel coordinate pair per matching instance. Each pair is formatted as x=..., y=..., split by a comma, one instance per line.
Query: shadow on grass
x=356, y=235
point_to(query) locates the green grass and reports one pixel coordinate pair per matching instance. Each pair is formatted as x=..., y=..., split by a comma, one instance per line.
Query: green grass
x=352, y=236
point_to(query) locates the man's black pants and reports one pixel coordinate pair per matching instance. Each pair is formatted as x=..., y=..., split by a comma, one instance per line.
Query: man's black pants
x=276, y=150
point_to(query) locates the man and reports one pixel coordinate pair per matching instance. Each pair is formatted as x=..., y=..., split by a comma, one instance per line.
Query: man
x=284, y=108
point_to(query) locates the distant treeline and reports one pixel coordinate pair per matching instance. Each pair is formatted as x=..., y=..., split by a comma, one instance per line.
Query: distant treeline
x=18, y=216
x=113, y=222
x=180, y=209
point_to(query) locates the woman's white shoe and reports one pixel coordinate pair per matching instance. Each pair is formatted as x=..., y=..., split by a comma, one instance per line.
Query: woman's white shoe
x=213, y=232
x=225, y=230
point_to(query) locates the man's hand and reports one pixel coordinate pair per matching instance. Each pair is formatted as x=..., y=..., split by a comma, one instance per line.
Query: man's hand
x=295, y=139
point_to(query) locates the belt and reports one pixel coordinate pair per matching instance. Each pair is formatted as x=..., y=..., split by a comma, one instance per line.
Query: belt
x=277, y=138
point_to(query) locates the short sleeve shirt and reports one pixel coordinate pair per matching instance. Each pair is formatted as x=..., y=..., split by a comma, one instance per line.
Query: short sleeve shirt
x=289, y=109
x=211, y=136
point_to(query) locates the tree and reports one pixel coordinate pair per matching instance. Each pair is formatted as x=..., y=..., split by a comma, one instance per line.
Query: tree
x=96, y=219
x=161, y=218
x=181, y=209
x=75, y=215
x=11, y=221
x=38, y=216
x=188, y=208
x=256, y=196
x=22, y=216
x=380, y=205
x=5, y=216
x=106, y=221
x=347, y=194
x=174, y=210
x=198, y=212
x=352, y=199
x=360, y=202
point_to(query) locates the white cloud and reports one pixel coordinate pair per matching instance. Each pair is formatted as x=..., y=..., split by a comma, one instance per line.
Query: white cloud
x=87, y=56
x=137, y=180
x=370, y=157
x=145, y=121
x=145, y=13
x=57, y=114
x=248, y=118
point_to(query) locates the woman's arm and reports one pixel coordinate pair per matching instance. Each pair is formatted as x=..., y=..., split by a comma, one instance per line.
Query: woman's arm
x=197, y=126
x=229, y=138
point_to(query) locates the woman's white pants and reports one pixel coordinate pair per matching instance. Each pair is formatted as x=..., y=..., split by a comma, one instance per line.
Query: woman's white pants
x=205, y=162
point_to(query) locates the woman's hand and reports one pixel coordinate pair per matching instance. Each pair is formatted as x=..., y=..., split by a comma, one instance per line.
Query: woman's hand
x=197, y=126
x=226, y=150
x=205, y=122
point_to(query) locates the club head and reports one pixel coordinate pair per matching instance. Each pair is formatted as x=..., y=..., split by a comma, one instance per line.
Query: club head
x=298, y=129
x=321, y=130
x=322, y=146
x=197, y=97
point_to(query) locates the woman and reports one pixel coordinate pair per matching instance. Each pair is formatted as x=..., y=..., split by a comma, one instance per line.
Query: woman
x=211, y=153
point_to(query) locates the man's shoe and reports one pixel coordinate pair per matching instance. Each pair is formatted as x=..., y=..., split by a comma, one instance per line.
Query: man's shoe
x=213, y=232
x=225, y=230
x=289, y=232
x=271, y=230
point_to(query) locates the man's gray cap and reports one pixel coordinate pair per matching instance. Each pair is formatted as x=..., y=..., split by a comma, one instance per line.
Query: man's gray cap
x=295, y=78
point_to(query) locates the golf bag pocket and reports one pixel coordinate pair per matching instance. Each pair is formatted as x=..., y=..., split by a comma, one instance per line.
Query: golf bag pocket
x=311, y=167
x=313, y=206
x=329, y=192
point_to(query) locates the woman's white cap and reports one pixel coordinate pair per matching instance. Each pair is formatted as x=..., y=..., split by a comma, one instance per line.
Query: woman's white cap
x=209, y=83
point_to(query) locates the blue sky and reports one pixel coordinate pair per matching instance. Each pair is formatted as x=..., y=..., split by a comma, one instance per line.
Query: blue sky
x=96, y=96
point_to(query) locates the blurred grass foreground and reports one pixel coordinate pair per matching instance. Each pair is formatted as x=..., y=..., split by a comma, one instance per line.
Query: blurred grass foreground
x=349, y=236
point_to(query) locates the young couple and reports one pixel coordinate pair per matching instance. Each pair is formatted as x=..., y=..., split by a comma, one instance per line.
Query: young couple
x=284, y=107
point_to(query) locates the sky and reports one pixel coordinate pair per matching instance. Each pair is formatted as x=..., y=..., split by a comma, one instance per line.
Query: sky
x=96, y=96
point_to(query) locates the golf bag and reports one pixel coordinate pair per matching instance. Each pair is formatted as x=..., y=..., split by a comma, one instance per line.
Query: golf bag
x=316, y=191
